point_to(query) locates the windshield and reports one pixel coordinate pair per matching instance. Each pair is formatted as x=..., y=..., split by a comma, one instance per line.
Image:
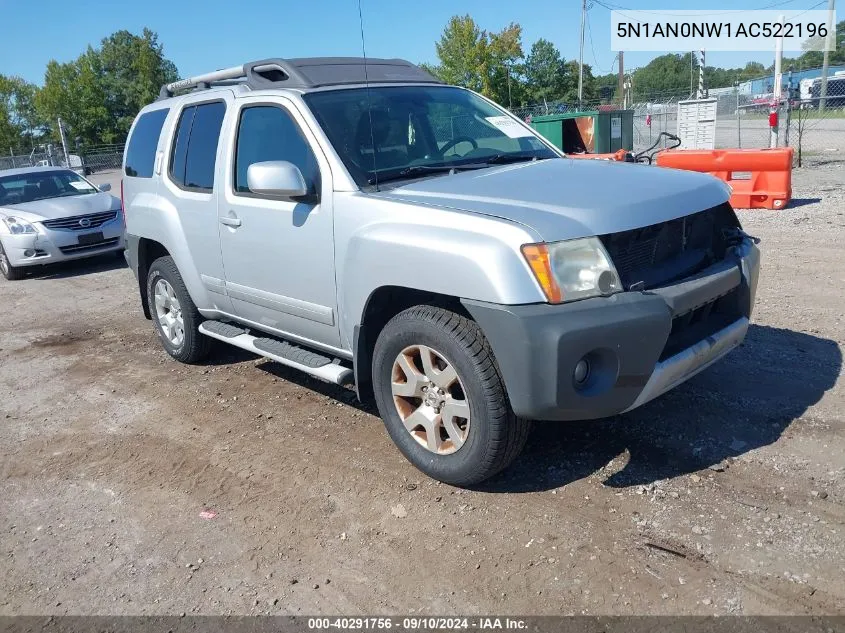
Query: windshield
x=419, y=130
x=40, y=185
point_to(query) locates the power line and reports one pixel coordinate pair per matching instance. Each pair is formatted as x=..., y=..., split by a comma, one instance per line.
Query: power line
x=615, y=7
x=592, y=48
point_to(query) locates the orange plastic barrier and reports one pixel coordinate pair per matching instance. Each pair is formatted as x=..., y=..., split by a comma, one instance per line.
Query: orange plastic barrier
x=760, y=178
x=619, y=155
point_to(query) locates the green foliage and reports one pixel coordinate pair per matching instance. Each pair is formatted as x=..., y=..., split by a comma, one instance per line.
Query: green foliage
x=18, y=120
x=813, y=56
x=545, y=72
x=98, y=94
x=488, y=63
x=666, y=74
x=495, y=65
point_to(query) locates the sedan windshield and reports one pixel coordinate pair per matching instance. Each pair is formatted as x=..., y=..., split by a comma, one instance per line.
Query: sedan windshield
x=40, y=185
x=389, y=133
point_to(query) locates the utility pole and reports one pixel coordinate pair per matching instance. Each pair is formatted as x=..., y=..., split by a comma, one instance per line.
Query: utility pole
x=64, y=142
x=691, y=57
x=773, y=114
x=621, y=80
x=701, y=93
x=581, y=54
x=831, y=32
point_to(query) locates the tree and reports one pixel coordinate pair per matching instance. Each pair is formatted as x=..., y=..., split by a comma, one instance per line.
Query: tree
x=134, y=70
x=812, y=57
x=570, y=83
x=98, y=94
x=488, y=63
x=752, y=70
x=544, y=72
x=666, y=74
x=18, y=121
x=74, y=91
x=463, y=55
x=503, y=77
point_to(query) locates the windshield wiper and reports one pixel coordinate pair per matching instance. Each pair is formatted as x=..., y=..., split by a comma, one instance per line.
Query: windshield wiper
x=502, y=159
x=419, y=170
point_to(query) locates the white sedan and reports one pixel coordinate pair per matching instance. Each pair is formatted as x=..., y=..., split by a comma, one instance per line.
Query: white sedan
x=52, y=214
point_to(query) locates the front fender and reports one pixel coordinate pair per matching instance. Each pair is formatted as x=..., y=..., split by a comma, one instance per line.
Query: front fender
x=432, y=250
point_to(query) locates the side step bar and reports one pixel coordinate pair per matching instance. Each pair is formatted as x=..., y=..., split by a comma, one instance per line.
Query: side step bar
x=283, y=352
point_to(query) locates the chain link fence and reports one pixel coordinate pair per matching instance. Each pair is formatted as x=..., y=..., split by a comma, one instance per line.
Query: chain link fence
x=812, y=124
x=86, y=160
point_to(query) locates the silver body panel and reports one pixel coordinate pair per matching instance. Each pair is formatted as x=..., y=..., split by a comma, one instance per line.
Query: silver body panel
x=679, y=368
x=306, y=271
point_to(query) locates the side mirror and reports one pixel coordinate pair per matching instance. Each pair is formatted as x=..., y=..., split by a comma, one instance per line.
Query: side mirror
x=105, y=187
x=276, y=178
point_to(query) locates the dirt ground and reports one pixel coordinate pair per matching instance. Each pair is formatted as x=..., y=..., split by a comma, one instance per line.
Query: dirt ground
x=725, y=496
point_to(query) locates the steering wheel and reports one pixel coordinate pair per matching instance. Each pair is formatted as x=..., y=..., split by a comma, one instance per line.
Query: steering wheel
x=460, y=139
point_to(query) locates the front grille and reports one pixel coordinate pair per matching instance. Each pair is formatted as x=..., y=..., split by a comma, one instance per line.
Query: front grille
x=696, y=325
x=662, y=253
x=81, y=248
x=81, y=222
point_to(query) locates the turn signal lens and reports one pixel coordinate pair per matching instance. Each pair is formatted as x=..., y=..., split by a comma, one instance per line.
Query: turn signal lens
x=537, y=256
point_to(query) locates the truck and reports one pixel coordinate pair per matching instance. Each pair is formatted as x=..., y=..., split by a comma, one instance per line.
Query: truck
x=364, y=223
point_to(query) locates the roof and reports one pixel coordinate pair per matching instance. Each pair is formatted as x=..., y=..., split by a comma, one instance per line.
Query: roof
x=30, y=170
x=306, y=73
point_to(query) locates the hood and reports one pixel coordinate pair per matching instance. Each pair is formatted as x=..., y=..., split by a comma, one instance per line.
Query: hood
x=566, y=198
x=67, y=207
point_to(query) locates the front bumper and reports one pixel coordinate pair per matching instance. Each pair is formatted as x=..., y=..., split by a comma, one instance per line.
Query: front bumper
x=59, y=245
x=638, y=344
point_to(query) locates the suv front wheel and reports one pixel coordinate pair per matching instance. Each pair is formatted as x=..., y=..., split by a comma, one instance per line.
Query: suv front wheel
x=175, y=316
x=442, y=399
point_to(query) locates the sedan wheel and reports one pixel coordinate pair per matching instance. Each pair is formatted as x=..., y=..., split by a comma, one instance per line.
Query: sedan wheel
x=9, y=272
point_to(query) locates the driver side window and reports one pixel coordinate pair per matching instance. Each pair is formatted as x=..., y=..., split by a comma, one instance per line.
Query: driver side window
x=268, y=132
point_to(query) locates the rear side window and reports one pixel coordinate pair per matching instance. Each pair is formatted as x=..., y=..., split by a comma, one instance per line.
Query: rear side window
x=194, y=153
x=141, y=153
x=269, y=133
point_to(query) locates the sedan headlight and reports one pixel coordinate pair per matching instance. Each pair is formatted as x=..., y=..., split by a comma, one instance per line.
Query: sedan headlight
x=574, y=269
x=17, y=226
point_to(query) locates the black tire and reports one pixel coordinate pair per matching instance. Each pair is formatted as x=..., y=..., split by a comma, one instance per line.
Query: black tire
x=194, y=346
x=495, y=437
x=12, y=273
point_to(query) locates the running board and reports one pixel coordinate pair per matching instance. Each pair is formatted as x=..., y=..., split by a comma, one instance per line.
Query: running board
x=281, y=351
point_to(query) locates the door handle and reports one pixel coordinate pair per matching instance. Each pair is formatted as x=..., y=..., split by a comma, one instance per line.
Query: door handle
x=229, y=221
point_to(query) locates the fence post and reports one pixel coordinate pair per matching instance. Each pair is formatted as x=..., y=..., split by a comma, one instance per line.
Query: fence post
x=788, y=109
x=738, y=118
x=12, y=154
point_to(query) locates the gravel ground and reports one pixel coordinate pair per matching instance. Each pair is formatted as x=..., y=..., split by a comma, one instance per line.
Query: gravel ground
x=131, y=484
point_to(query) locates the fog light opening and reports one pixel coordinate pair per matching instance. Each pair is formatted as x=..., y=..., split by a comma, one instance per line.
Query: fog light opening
x=29, y=253
x=581, y=374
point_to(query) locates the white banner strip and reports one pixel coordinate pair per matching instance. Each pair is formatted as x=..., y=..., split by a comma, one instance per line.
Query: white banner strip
x=682, y=30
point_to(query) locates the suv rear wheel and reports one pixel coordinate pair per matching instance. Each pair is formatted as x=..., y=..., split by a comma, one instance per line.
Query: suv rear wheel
x=175, y=316
x=441, y=396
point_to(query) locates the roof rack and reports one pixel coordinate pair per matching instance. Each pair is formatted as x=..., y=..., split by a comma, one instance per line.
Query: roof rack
x=305, y=73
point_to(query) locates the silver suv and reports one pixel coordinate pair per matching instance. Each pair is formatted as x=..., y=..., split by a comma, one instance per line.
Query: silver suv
x=368, y=225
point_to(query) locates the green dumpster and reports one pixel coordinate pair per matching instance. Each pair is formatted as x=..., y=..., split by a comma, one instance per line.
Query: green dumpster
x=590, y=131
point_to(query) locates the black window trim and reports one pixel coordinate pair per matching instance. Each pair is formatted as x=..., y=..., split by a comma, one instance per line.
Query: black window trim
x=318, y=186
x=186, y=106
x=166, y=111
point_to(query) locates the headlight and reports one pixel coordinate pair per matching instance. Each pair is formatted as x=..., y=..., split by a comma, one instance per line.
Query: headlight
x=574, y=269
x=17, y=226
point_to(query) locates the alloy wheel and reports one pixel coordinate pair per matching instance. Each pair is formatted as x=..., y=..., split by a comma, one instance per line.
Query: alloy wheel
x=169, y=313
x=430, y=399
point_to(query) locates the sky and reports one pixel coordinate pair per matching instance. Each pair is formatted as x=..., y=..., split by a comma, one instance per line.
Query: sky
x=204, y=35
